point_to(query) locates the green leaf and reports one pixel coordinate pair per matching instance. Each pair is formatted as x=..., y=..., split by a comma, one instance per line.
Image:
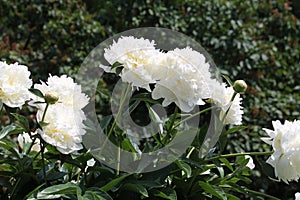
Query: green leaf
x=57, y=191
x=96, y=195
x=55, y=175
x=185, y=167
x=226, y=163
x=36, y=92
x=135, y=188
x=33, y=194
x=118, y=66
x=126, y=145
x=235, y=129
x=232, y=197
x=166, y=193
x=43, y=124
x=105, y=121
x=22, y=121
x=145, y=97
x=10, y=146
x=6, y=173
x=213, y=190
x=227, y=79
x=113, y=183
x=10, y=129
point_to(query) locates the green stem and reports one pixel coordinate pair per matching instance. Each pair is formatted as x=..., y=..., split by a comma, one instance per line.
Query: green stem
x=119, y=159
x=43, y=163
x=15, y=188
x=116, y=118
x=190, y=152
x=31, y=145
x=43, y=148
x=260, y=194
x=173, y=119
x=231, y=100
x=194, y=115
x=239, y=154
x=167, y=136
x=44, y=114
x=38, y=153
x=191, y=184
x=1, y=105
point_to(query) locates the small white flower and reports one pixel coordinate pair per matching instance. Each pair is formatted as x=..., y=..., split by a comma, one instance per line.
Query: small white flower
x=24, y=138
x=91, y=162
x=14, y=84
x=285, y=140
x=297, y=196
x=250, y=163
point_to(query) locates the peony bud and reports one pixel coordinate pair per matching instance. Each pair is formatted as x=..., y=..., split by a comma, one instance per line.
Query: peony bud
x=51, y=98
x=240, y=86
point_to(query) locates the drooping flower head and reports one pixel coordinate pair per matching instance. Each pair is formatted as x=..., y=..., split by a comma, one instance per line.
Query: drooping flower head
x=14, y=84
x=285, y=140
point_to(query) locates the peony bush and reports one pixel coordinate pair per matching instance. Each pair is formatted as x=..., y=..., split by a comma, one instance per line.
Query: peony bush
x=42, y=149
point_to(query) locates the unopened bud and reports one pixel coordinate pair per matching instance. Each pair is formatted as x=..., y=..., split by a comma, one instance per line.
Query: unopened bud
x=240, y=86
x=51, y=97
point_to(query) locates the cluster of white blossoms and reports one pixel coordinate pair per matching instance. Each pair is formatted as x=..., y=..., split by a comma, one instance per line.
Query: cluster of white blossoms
x=285, y=140
x=64, y=118
x=14, y=84
x=180, y=76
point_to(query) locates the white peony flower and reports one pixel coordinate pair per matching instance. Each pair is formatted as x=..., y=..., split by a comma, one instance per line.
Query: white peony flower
x=297, y=196
x=221, y=96
x=64, y=117
x=250, y=163
x=137, y=57
x=63, y=131
x=186, y=80
x=69, y=93
x=14, y=84
x=285, y=140
x=24, y=138
x=125, y=46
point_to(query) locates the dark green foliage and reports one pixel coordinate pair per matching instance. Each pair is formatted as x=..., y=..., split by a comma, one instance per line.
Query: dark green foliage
x=49, y=36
